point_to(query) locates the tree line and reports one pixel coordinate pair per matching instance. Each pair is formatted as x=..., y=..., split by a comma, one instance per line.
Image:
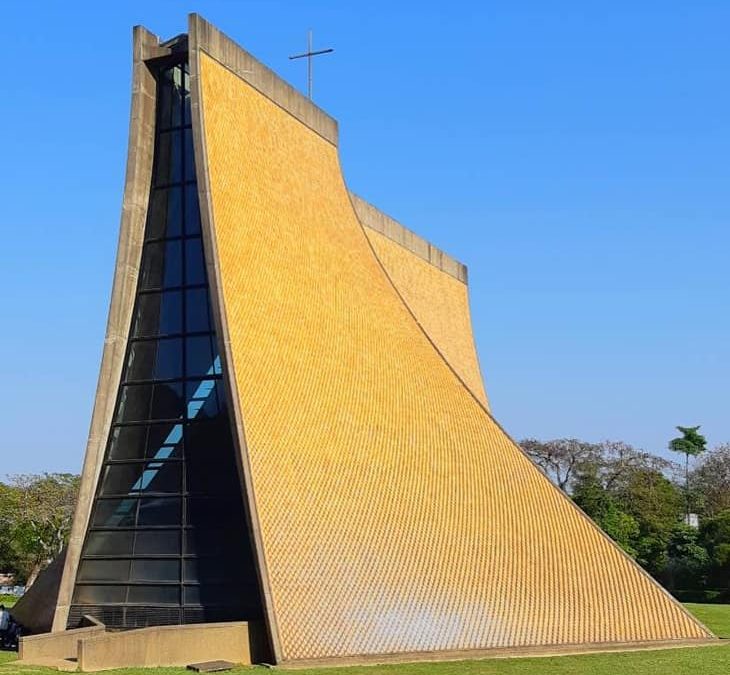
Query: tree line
x=643, y=502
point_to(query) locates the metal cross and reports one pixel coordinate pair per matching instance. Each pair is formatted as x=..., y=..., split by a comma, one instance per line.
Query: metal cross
x=308, y=55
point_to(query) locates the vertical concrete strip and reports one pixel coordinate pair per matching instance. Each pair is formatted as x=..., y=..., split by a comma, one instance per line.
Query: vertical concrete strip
x=131, y=234
x=201, y=34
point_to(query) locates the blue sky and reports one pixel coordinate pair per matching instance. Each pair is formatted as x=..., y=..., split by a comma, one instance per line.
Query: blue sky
x=574, y=157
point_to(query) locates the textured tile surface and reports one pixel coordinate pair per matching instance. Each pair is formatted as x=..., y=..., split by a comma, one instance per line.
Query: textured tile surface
x=440, y=303
x=395, y=514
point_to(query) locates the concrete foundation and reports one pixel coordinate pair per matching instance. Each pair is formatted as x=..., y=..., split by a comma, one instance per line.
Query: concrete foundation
x=166, y=646
x=94, y=648
x=60, y=645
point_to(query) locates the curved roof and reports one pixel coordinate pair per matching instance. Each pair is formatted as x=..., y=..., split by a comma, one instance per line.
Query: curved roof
x=391, y=512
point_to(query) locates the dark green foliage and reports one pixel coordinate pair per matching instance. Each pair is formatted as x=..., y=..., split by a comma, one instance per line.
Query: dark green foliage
x=691, y=442
x=633, y=502
x=652, y=553
x=715, y=536
x=653, y=499
x=687, y=560
x=600, y=505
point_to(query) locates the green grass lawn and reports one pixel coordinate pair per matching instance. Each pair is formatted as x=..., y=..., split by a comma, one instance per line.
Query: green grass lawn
x=715, y=617
x=690, y=661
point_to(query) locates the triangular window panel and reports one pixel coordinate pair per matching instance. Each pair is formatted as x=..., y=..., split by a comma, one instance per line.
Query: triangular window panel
x=168, y=540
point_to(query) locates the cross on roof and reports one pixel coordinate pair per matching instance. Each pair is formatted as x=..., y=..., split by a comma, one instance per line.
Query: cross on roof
x=308, y=55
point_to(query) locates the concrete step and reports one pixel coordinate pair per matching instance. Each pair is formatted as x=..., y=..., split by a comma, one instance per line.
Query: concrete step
x=65, y=665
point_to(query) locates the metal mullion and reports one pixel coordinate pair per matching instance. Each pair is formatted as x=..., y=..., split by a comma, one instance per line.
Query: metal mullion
x=176, y=127
x=148, y=495
x=169, y=380
x=177, y=183
x=132, y=528
x=184, y=229
x=137, y=495
x=172, y=184
x=127, y=583
x=166, y=420
x=149, y=460
x=183, y=287
x=140, y=423
x=125, y=605
x=174, y=380
x=157, y=240
x=151, y=291
x=165, y=336
x=121, y=527
x=134, y=544
x=183, y=208
x=134, y=556
x=126, y=528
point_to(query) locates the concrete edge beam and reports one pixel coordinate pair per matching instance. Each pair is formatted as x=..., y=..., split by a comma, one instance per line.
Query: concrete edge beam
x=228, y=53
x=373, y=218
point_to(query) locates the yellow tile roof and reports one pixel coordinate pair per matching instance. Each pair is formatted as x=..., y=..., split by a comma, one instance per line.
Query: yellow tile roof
x=395, y=514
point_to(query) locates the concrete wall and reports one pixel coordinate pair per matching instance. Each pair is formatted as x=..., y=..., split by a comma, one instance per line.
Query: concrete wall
x=166, y=646
x=202, y=36
x=61, y=645
x=35, y=610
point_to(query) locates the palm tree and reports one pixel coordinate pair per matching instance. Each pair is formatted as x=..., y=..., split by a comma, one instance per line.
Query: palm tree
x=691, y=442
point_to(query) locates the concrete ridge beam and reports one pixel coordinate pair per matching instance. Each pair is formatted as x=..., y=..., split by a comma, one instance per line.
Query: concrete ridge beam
x=372, y=217
x=235, y=58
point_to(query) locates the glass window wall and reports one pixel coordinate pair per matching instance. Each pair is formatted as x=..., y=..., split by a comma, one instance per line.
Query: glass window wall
x=168, y=540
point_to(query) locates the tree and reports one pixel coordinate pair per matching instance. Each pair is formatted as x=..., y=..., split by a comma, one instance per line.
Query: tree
x=630, y=498
x=652, y=499
x=36, y=512
x=656, y=504
x=8, y=554
x=599, y=504
x=690, y=443
x=687, y=560
x=619, y=461
x=714, y=535
x=561, y=459
x=711, y=481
